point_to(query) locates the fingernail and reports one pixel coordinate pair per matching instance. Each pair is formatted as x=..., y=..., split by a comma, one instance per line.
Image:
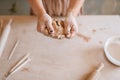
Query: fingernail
x=51, y=31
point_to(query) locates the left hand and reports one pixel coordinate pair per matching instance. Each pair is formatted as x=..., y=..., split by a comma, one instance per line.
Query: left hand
x=71, y=27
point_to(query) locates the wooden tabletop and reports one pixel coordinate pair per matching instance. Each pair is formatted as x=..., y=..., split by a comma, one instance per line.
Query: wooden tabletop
x=67, y=59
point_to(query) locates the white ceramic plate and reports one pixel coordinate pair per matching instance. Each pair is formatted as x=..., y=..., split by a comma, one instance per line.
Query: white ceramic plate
x=112, y=50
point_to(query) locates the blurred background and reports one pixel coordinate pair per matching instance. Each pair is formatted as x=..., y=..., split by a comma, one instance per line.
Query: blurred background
x=91, y=7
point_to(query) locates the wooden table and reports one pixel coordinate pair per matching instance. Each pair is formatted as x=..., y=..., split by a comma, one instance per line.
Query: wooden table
x=67, y=59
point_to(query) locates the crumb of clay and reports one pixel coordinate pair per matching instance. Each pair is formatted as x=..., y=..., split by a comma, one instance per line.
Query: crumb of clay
x=79, y=24
x=25, y=70
x=93, y=30
x=86, y=38
x=102, y=29
x=100, y=42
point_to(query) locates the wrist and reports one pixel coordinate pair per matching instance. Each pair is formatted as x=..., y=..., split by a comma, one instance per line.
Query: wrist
x=72, y=12
x=69, y=14
x=41, y=13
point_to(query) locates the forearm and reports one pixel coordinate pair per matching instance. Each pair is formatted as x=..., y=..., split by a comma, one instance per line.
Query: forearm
x=74, y=7
x=37, y=7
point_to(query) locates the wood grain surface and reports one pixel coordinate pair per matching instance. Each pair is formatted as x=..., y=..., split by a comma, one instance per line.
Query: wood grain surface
x=66, y=59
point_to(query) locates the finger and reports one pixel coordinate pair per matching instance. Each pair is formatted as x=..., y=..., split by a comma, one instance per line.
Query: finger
x=67, y=27
x=40, y=28
x=74, y=30
x=50, y=27
x=55, y=28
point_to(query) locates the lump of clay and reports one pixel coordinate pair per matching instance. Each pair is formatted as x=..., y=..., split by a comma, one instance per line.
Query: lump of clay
x=58, y=26
x=59, y=29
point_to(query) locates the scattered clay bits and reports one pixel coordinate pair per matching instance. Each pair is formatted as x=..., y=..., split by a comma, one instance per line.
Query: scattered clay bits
x=100, y=42
x=59, y=33
x=58, y=26
x=84, y=37
x=25, y=70
x=93, y=30
x=59, y=29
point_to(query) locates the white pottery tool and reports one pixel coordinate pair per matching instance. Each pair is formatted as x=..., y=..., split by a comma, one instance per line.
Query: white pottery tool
x=12, y=71
x=18, y=66
x=13, y=49
x=20, y=61
x=4, y=36
x=96, y=73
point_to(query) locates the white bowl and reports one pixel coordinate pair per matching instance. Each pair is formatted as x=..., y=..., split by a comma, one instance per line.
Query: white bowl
x=113, y=45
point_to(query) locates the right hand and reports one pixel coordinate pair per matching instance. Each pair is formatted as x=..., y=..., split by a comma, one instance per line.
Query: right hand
x=44, y=25
x=71, y=27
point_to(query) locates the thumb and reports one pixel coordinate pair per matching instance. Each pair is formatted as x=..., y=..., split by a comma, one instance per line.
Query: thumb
x=74, y=30
x=67, y=31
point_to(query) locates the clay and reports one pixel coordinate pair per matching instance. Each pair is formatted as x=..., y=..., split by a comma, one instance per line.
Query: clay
x=93, y=30
x=59, y=29
x=25, y=70
x=59, y=33
x=86, y=38
x=58, y=26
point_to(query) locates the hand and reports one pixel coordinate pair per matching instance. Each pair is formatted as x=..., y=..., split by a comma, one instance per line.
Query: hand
x=71, y=27
x=44, y=25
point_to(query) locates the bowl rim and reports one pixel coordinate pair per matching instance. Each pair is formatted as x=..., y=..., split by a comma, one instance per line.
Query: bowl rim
x=107, y=54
